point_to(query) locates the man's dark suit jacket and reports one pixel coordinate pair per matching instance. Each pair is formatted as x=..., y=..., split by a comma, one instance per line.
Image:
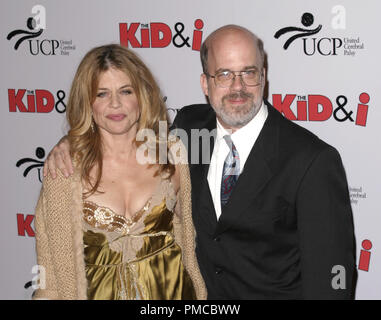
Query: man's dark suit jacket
x=288, y=222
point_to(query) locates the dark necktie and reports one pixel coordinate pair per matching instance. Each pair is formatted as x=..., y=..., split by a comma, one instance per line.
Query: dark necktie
x=230, y=172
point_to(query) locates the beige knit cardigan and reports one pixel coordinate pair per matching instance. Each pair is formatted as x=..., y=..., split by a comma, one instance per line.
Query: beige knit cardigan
x=59, y=237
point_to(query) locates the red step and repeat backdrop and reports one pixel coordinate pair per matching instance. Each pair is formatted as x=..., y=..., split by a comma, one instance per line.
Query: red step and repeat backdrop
x=323, y=73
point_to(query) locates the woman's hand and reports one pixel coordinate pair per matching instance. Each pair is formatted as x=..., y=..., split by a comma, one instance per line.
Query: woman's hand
x=59, y=158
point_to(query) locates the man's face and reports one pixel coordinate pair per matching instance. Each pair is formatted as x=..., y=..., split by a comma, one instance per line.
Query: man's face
x=238, y=103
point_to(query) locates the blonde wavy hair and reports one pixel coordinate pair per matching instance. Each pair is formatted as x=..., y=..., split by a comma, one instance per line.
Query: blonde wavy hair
x=84, y=136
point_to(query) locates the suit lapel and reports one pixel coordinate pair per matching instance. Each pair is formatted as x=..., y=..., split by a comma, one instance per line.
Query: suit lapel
x=259, y=168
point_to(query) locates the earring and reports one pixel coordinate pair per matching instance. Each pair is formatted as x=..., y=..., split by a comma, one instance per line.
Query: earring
x=92, y=124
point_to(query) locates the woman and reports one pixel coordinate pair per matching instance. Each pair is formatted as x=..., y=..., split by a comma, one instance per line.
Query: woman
x=117, y=228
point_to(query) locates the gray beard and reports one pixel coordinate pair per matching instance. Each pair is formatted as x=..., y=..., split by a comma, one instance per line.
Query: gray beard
x=237, y=119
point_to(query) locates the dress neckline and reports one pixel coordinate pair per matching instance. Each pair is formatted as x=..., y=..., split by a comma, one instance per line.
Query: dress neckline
x=128, y=220
x=136, y=215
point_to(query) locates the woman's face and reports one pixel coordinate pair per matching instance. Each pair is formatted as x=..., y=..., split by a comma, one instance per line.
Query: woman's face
x=115, y=109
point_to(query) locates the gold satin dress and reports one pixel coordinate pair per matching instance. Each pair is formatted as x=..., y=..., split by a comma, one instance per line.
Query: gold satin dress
x=137, y=258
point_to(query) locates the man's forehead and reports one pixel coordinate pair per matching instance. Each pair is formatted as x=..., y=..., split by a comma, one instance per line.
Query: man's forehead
x=232, y=46
x=232, y=34
x=242, y=54
x=233, y=39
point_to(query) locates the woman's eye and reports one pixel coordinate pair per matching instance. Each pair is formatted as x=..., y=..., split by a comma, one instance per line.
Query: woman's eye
x=126, y=91
x=101, y=94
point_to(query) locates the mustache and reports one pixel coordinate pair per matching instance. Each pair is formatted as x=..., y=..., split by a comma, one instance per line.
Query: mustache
x=238, y=95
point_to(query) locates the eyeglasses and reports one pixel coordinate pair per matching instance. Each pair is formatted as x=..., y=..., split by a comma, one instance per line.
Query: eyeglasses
x=225, y=78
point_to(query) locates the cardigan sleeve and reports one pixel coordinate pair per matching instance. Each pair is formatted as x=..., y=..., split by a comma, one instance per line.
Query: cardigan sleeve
x=183, y=228
x=59, y=239
x=47, y=283
x=185, y=233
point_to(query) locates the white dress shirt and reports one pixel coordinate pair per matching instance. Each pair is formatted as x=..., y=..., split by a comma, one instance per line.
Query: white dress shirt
x=243, y=139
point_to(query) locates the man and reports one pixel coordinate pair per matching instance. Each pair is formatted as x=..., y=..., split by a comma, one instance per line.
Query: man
x=271, y=210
